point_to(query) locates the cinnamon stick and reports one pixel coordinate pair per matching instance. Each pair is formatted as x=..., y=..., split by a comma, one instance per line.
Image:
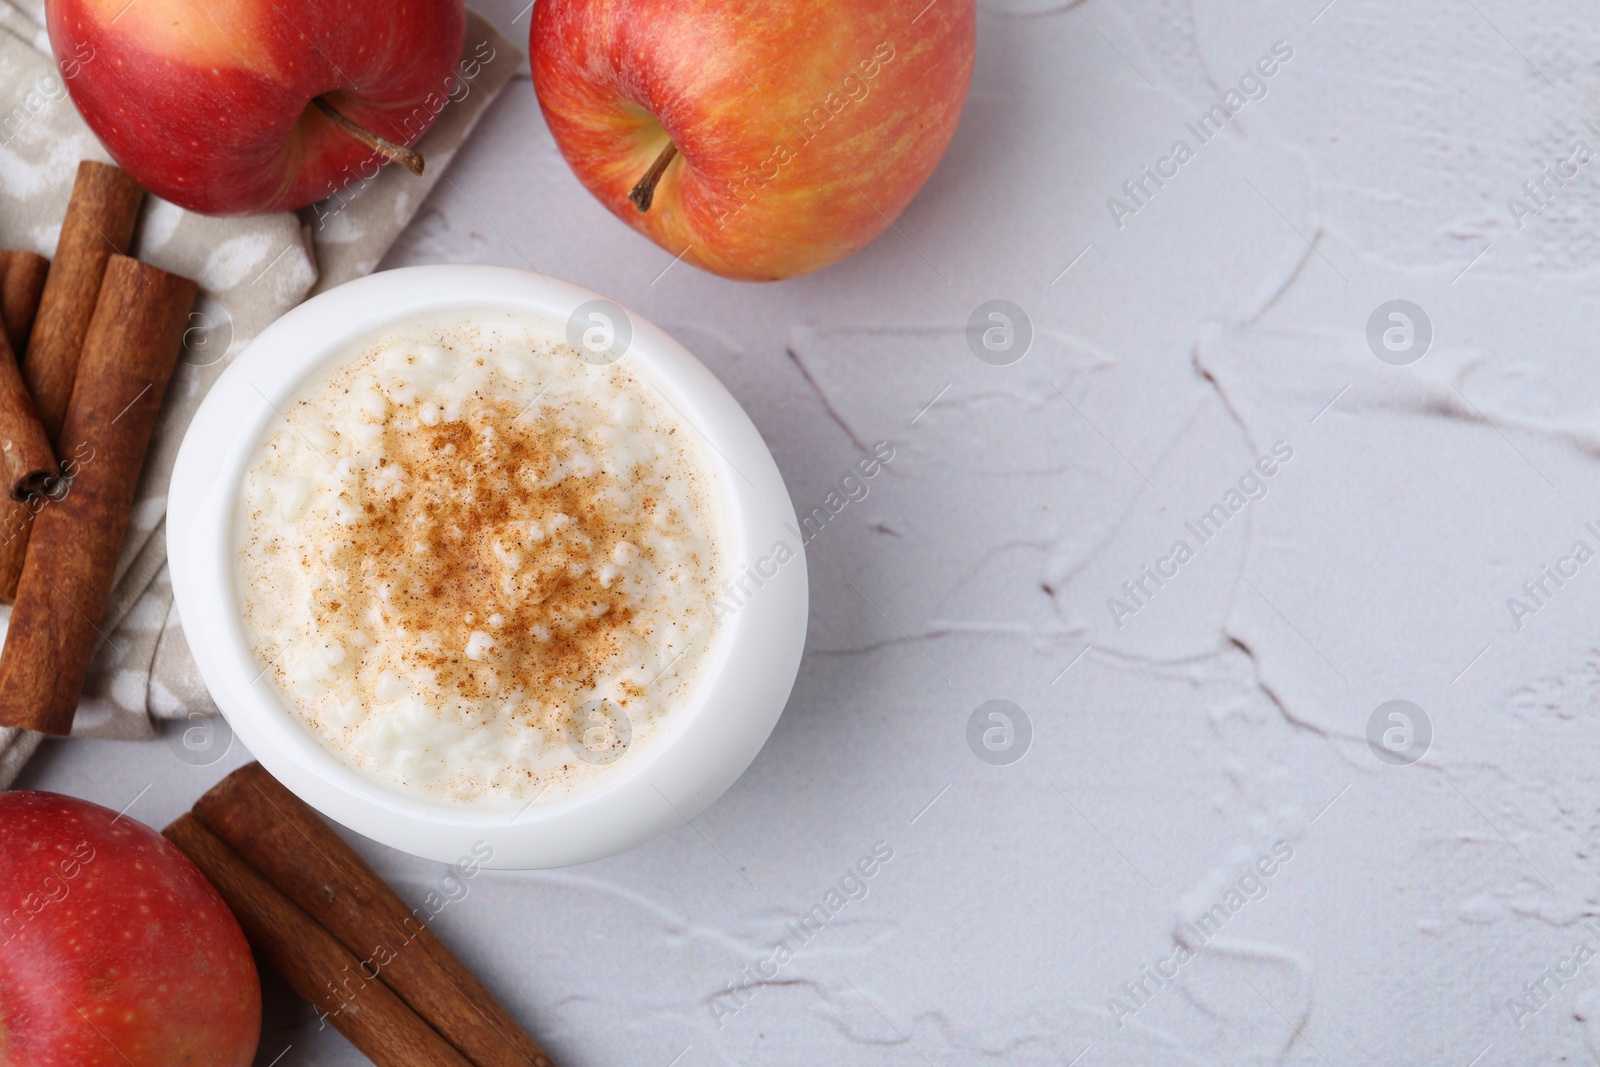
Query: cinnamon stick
x=280, y=836
x=129, y=353
x=21, y=282
x=27, y=459
x=22, y=277
x=316, y=966
x=16, y=522
x=99, y=224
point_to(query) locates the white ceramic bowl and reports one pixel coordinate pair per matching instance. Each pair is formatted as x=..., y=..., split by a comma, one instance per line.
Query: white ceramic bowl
x=701, y=748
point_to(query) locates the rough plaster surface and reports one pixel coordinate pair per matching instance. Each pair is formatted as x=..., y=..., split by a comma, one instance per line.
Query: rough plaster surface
x=1174, y=747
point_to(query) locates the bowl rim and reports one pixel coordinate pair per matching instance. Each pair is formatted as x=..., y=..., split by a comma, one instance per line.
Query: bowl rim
x=696, y=754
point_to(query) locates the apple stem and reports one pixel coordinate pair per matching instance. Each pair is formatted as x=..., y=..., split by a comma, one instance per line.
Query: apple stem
x=645, y=192
x=412, y=161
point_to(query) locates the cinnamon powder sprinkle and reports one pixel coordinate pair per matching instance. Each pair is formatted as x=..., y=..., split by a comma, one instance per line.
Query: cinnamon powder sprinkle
x=461, y=541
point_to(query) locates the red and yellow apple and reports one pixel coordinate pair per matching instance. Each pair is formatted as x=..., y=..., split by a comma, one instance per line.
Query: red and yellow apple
x=233, y=107
x=760, y=141
x=114, y=949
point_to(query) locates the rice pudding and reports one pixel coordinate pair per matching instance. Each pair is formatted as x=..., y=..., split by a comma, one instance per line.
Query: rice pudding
x=478, y=565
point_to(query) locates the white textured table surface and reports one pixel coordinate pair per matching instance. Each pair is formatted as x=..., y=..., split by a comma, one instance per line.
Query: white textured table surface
x=1182, y=737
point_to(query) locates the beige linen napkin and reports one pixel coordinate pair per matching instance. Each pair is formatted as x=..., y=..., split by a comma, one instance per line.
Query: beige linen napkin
x=250, y=270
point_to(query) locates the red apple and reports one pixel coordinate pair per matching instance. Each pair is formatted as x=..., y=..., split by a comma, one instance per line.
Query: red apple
x=114, y=949
x=231, y=107
x=762, y=140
